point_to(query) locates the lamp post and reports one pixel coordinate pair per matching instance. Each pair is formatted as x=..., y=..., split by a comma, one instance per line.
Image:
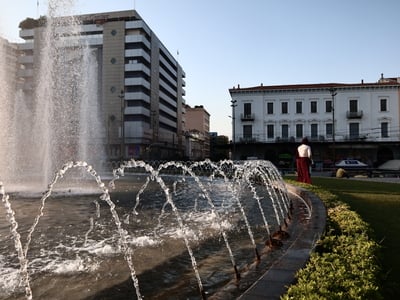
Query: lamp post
x=121, y=96
x=233, y=128
x=333, y=94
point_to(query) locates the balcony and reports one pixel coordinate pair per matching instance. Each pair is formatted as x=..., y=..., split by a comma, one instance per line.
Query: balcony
x=248, y=139
x=354, y=114
x=285, y=139
x=355, y=137
x=247, y=117
x=317, y=138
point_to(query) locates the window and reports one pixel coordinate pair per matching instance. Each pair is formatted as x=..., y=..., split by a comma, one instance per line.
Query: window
x=285, y=131
x=284, y=106
x=314, y=131
x=247, y=109
x=328, y=106
x=384, y=129
x=383, y=105
x=299, y=107
x=353, y=106
x=354, y=129
x=313, y=107
x=247, y=131
x=299, y=130
x=329, y=129
x=270, y=131
x=270, y=108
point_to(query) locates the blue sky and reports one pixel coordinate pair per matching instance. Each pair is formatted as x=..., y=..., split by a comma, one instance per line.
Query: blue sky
x=223, y=43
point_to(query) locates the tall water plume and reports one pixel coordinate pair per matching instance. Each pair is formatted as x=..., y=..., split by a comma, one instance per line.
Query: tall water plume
x=7, y=108
x=60, y=120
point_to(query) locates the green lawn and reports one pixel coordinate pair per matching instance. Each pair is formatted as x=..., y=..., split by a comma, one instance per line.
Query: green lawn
x=378, y=204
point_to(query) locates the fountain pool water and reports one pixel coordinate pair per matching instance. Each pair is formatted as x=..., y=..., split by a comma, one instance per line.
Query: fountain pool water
x=177, y=231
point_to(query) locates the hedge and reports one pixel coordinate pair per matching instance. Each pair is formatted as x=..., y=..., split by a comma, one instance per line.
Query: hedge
x=344, y=264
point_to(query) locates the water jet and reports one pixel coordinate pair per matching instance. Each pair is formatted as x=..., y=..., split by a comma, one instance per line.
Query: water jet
x=136, y=216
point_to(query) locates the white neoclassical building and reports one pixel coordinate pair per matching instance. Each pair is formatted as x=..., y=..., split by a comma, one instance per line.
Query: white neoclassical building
x=359, y=120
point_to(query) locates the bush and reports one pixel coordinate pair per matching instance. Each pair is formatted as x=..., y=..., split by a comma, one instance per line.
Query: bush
x=344, y=264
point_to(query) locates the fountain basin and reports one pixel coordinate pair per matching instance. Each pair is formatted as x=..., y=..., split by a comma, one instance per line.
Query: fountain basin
x=186, y=235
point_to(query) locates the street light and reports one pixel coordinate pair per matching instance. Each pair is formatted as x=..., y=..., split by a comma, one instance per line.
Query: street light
x=233, y=127
x=333, y=94
x=121, y=96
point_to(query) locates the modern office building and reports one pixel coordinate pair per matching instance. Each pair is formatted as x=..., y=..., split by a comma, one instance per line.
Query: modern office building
x=360, y=120
x=141, y=84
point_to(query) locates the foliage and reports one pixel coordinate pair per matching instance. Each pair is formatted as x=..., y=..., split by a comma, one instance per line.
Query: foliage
x=30, y=23
x=344, y=265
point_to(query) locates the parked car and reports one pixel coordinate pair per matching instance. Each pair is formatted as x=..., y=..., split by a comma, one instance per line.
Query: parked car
x=390, y=168
x=390, y=165
x=351, y=164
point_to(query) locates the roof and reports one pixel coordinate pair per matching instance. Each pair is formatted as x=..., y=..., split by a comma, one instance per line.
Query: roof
x=312, y=86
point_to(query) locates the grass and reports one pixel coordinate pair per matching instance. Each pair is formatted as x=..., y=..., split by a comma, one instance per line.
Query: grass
x=378, y=204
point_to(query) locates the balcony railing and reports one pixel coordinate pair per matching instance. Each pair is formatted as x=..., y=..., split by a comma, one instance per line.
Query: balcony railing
x=247, y=117
x=356, y=137
x=248, y=139
x=354, y=114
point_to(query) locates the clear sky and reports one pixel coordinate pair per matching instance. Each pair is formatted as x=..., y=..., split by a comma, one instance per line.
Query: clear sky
x=223, y=43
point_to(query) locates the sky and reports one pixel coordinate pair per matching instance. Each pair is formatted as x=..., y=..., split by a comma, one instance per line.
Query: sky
x=223, y=43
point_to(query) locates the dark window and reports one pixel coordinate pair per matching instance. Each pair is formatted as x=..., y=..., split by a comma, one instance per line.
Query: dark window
x=247, y=131
x=285, y=131
x=314, y=131
x=353, y=105
x=384, y=129
x=137, y=118
x=137, y=74
x=247, y=109
x=137, y=89
x=284, y=106
x=313, y=108
x=354, y=129
x=299, y=130
x=137, y=103
x=299, y=107
x=329, y=129
x=328, y=106
x=383, y=105
x=270, y=108
x=270, y=131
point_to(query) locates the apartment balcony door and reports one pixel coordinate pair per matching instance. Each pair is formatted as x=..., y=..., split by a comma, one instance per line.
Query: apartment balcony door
x=354, y=129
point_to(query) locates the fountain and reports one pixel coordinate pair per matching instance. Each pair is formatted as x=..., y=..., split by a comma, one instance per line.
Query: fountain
x=158, y=231
x=195, y=227
x=54, y=117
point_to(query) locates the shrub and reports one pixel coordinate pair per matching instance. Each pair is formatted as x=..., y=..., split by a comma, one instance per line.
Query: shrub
x=344, y=264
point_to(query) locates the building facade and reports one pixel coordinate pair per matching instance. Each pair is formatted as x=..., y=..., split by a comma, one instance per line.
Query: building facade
x=341, y=120
x=197, y=132
x=141, y=85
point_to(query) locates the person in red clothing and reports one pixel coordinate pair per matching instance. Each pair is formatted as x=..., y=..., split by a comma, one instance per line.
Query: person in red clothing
x=303, y=162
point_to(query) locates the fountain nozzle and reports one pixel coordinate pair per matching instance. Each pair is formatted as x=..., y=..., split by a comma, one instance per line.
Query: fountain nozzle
x=237, y=274
x=257, y=254
x=203, y=294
